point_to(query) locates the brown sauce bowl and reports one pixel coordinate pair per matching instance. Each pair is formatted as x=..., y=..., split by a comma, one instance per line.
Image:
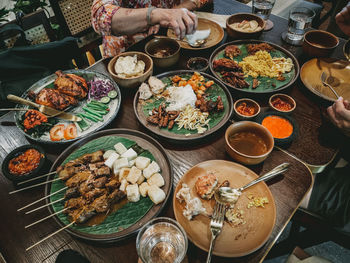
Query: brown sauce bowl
x=319, y=43
x=248, y=126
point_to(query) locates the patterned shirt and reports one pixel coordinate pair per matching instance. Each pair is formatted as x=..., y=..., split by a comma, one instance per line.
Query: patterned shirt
x=103, y=11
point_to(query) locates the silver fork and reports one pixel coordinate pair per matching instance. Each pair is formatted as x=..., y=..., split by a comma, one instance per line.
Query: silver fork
x=216, y=223
x=324, y=82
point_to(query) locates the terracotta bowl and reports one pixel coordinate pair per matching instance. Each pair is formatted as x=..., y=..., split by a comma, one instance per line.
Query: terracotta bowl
x=249, y=102
x=239, y=17
x=134, y=81
x=246, y=126
x=156, y=44
x=283, y=97
x=319, y=43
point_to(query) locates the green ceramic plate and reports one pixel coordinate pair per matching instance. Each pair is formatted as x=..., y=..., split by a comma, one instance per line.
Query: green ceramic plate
x=127, y=219
x=217, y=119
x=267, y=85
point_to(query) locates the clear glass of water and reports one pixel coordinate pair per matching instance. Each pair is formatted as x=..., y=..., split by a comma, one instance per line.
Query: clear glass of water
x=161, y=240
x=263, y=9
x=300, y=18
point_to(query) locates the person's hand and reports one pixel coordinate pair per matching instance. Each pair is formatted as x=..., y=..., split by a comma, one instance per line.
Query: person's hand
x=153, y=29
x=343, y=19
x=180, y=20
x=339, y=114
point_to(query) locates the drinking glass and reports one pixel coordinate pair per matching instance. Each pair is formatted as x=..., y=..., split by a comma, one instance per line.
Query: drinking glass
x=161, y=240
x=300, y=18
x=263, y=9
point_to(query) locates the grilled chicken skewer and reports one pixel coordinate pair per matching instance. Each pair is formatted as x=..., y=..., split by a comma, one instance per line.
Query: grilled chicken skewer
x=47, y=217
x=40, y=207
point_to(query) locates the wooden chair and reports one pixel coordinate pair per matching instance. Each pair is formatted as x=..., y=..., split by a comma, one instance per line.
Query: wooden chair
x=74, y=17
x=36, y=27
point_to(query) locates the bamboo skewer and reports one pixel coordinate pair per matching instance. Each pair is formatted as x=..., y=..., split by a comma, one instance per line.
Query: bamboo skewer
x=38, y=208
x=34, y=185
x=47, y=217
x=52, y=234
x=33, y=179
x=43, y=198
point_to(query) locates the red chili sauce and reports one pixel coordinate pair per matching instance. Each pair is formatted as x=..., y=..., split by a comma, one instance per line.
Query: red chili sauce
x=282, y=104
x=25, y=162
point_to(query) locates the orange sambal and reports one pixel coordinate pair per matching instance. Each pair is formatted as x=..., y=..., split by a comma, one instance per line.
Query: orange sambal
x=25, y=162
x=282, y=105
x=279, y=127
x=245, y=109
x=33, y=118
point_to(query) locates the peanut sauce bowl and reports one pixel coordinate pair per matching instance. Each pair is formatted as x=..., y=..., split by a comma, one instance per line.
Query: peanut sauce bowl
x=36, y=171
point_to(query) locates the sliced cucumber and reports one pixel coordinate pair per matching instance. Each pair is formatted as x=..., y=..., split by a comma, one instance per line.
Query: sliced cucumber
x=112, y=94
x=105, y=99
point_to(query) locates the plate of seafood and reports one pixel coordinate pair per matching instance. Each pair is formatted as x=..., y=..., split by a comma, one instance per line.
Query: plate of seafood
x=248, y=223
x=92, y=97
x=254, y=66
x=109, y=184
x=183, y=105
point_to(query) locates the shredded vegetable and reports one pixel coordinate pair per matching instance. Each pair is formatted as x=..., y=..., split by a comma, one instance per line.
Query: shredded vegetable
x=99, y=88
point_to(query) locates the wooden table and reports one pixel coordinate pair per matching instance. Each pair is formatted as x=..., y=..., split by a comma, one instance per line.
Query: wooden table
x=288, y=190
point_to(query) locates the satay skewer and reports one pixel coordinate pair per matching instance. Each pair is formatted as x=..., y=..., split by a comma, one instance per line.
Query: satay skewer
x=34, y=185
x=52, y=234
x=35, y=178
x=35, y=209
x=43, y=198
x=47, y=217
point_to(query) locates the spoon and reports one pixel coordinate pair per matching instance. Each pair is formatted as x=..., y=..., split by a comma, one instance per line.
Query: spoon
x=229, y=195
x=25, y=109
x=197, y=43
x=323, y=79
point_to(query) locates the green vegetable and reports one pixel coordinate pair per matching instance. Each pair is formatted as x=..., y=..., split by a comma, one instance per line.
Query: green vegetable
x=89, y=116
x=83, y=125
x=92, y=112
x=112, y=94
x=96, y=103
x=95, y=107
x=105, y=100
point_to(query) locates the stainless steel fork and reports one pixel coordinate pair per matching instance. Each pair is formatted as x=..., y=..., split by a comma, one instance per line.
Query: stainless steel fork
x=216, y=223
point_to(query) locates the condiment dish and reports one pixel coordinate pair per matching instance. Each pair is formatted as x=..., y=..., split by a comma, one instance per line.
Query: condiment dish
x=280, y=102
x=30, y=174
x=239, y=17
x=243, y=106
x=198, y=64
x=164, y=51
x=248, y=127
x=319, y=43
x=286, y=140
x=132, y=82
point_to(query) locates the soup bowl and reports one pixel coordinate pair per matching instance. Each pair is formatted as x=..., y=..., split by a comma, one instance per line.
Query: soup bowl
x=251, y=127
x=155, y=46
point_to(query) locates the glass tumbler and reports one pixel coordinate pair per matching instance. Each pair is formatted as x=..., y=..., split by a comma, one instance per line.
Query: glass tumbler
x=300, y=18
x=263, y=9
x=161, y=240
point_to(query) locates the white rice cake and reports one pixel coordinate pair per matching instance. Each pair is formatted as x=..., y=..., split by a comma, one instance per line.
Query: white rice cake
x=143, y=188
x=123, y=173
x=107, y=154
x=130, y=154
x=134, y=175
x=120, y=148
x=111, y=159
x=156, y=194
x=142, y=162
x=131, y=163
x=123, y=185
x=119, y=164
x=132, y=192
x=156, y=179
x=151, y=169
x=141, y=179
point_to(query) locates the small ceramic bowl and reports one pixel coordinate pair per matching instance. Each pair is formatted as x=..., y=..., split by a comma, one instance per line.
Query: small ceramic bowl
x=18, y=151
x=198, y=64
x=239, y=17
x=284, y=98
x=132, y=82
x=157, y=45
x=250, y=103
x=248, y=126
x=319, y=43
x=282, y=141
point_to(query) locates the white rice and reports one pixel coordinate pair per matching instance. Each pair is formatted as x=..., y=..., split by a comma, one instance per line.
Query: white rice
x=180, y=97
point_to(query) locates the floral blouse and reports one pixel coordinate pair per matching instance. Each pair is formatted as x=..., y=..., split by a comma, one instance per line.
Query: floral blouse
x=103, y=11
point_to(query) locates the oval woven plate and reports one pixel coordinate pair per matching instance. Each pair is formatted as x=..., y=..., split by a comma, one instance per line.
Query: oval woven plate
x=184, y=135
x=130, y=217
x=267, y=85
x=47, y=82
x=234, y=241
